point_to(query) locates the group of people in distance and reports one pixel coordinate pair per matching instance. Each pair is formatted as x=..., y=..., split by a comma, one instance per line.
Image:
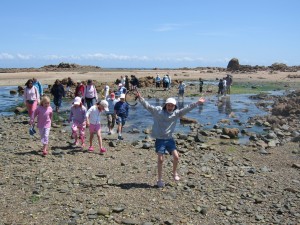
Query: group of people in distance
x=166, y=81
x=116, y=109
x=225, y=85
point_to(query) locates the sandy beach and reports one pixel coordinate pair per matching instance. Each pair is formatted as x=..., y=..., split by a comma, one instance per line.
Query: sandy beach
x=20, y=78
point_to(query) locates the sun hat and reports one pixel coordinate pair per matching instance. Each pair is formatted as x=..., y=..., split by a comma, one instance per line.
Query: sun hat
x=104, y=103
x=171, y=100
x=77, y=101
x=122, y=96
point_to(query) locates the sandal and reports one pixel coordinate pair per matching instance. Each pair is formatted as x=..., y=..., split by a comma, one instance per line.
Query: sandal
x=91, y=149
x=45, y=152
x=102, y=150
x=176, y=177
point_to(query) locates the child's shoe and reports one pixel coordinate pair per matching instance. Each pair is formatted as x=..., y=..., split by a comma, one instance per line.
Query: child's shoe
x=91, y=149
x=176, y=177
x=45, y=152
x=120, y=138
x=160, y=184
x=102, y=150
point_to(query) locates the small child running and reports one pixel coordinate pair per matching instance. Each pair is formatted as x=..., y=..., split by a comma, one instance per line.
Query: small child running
x=44, y=115
x=165, y=119
x=93, y=122
x=77, y=115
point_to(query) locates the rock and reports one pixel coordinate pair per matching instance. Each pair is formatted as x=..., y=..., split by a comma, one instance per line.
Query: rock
x=103, y=211
x=233, y=64
x=296, y=165
x=146, y=145
x=186, y=120
x=130, y=221
x=113, y=144
x=231, y=132
x=19, y=110
x=13, y=92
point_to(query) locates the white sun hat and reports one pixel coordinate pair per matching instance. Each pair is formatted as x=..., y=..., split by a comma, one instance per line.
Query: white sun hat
x=77, y=101
x=104, y=103
x=171, y=100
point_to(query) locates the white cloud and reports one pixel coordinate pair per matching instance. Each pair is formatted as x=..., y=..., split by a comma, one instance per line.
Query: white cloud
x=6, y=56
x=25, y=57
x=111, y=56
x=168, y=27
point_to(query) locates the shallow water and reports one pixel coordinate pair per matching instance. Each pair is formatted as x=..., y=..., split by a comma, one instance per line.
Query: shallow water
x=231, y=107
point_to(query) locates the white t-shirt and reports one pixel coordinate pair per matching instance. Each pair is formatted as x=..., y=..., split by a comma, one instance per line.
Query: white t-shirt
x=106, y=91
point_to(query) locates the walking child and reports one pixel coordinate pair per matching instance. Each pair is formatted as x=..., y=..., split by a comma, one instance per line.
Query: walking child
x=31, y=97
x=111, y=116
x=121, y=111
x=165, y=119
x=77, y=115
x=44, y=115
x=93, y=122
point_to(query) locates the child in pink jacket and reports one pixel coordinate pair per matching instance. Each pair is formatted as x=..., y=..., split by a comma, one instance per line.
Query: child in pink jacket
x=44, y=115
x=31, y=97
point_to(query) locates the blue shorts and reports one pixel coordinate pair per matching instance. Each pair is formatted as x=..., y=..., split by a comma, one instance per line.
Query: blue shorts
x=164, y=146
x=121, y=120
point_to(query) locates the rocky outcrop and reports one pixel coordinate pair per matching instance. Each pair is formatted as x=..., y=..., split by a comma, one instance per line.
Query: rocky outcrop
x=233, y=64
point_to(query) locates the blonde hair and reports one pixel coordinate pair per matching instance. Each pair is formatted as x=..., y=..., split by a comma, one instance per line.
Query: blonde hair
x=45, y=99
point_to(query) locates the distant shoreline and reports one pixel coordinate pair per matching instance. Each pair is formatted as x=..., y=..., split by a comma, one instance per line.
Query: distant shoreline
x=48, y=77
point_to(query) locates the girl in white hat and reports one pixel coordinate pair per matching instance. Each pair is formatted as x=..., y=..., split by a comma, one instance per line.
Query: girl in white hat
x=165, y=119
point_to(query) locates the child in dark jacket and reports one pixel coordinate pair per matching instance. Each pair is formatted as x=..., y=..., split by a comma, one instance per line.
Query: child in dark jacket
x=121, y=111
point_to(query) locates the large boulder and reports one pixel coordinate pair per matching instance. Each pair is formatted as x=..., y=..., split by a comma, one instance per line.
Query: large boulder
x=233, y=64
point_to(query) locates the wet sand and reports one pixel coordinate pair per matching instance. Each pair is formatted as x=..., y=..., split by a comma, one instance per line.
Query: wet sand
x=20, y=78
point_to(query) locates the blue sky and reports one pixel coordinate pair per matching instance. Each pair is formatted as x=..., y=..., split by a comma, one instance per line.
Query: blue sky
x=148, y=34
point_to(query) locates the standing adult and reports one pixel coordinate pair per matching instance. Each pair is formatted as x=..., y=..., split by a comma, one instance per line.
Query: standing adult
x=168, y=82
x=123, y=81
x=79, y=90
x=70, y=83
x=224, y=86
x=31, y=97
x=121, y=89
x=126, y=82
x=228, y=83
x=38, y=85
x=90, y=94
x=134, y=82
x=157, y=81
x=181, y=89
x=58, y=93
x=106, y=91
x=164, y=82
x=200, y=85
